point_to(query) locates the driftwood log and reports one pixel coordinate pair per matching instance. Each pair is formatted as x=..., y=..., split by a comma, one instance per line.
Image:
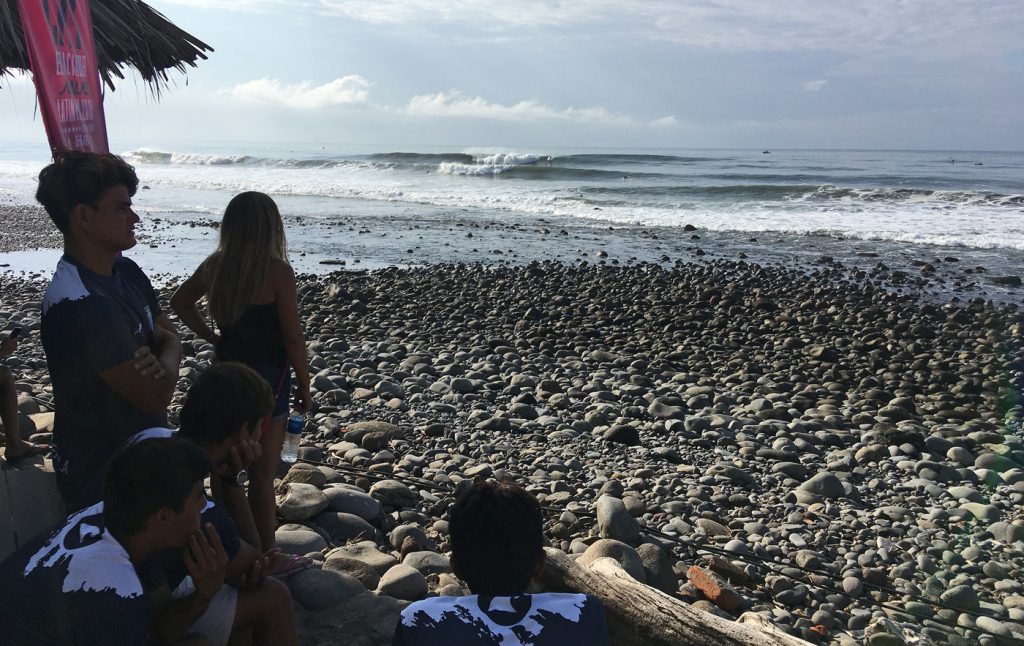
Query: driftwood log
x=639, y=615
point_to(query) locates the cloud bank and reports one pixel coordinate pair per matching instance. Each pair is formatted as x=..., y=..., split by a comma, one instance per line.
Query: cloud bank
x=454, y=104
x=346, y=90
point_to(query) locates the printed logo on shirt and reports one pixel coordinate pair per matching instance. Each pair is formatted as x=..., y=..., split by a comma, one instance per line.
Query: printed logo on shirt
x=520, y=620
x=89, y=555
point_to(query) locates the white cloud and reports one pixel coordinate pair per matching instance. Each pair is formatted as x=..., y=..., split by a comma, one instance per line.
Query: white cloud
x=346, y=90
x=815, y=85
x=923, y=29
x=665, y=122
x=454, y=104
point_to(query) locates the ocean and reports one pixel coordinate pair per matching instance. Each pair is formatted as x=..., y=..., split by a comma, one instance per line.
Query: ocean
x=377, y=206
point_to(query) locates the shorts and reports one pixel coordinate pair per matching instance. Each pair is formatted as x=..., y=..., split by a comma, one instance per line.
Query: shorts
x=278, y=377
x=215, y=624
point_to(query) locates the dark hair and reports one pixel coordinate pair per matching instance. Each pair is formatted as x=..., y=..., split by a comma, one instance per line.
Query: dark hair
x=148, y=476
x=81, y=178
x=225, y=396
x=496, y=531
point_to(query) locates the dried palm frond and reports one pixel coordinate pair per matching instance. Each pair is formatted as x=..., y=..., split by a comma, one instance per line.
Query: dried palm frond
x=128, y=33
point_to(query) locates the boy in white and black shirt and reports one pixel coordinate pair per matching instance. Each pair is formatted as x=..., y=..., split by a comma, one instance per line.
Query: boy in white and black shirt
x=78, y=586
x=497, y=547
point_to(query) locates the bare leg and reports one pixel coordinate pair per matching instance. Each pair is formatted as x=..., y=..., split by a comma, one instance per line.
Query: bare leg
x=261, y=484
x=267, y=611
x=9, y=416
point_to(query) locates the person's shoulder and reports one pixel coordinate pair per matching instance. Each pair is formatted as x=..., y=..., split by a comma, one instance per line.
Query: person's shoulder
x=279, y=269
x=434, y=606
x=66, y=285
x=87, y=556
x=129, y=268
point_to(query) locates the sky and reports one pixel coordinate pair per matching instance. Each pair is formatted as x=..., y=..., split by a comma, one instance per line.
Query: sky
x=522, y=74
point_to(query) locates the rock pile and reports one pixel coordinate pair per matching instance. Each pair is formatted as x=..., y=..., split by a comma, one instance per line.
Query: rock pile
x=850, y=458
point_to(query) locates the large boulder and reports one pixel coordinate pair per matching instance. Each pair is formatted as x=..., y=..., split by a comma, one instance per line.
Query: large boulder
x=299, y=540
x=314, y=588
x=365, y=552
x=614, y=521
x=349, y=500
x=299, y=501
x=392, y=493
x=403, y=582
x=625, y=555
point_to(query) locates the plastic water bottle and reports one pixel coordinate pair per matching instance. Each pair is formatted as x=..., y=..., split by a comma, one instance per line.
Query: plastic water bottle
x=292, y=436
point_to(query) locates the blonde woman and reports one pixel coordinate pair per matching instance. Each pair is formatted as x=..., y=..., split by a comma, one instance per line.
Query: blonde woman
x=250, y=292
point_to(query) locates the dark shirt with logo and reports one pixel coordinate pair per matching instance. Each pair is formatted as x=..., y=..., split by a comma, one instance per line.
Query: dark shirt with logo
x=92, y=323
x=74, y=587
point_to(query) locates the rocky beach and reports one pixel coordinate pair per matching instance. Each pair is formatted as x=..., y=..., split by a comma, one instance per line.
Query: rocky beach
x=817, y=445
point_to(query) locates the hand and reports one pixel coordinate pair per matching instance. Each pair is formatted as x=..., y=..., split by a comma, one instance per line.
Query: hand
x=259, y=569
x=206, y=562
x=303, y=399
x=8, y=346
x=148, y=365
x=243, y=454
x=162, y=338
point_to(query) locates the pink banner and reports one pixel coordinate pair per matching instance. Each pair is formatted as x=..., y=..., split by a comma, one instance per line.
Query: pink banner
x=58, y=35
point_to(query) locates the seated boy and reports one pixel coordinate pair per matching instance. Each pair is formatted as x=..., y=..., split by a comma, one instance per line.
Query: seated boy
x=223, y=414
x=78, y=586
x=497, y=547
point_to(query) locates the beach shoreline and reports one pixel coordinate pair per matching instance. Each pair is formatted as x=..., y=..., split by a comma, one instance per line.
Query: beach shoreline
x=170, y=246
x=804, y=417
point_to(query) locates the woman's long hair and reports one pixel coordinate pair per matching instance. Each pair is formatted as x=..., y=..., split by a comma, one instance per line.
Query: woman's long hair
x=251, y=235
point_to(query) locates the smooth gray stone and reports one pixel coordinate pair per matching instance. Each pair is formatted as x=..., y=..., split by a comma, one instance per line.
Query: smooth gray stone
x=984, y=513
x=315, y=589
x=361, y=571
x=365, y=552
x=350, y=501
x=344, y=527
x=658, y=568
x=428, y=562
x=392, y=493
x=403, y=582
x=824, y=484
x=614, y=521
x=299, y=501
x=627, y=557
x=960, y=596
x=713, y=528
x=299, y=541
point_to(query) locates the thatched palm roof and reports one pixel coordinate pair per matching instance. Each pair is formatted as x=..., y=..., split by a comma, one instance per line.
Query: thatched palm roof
x=128, y=33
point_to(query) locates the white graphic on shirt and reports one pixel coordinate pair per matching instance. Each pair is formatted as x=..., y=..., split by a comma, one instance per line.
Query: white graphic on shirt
x=66, y=285
x=467, y=610
x=95, y=561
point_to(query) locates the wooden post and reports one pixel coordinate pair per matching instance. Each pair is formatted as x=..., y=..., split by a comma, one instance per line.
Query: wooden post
x=639, y=615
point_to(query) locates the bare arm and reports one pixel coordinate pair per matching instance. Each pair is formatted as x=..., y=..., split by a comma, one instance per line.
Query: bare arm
x=149, y=395
x=232, y=496
x=287, y=302
x=184, y=301
x=206, y=563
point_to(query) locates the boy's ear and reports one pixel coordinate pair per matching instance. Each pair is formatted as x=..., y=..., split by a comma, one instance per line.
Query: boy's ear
x=162, y=517
x=79, y=216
